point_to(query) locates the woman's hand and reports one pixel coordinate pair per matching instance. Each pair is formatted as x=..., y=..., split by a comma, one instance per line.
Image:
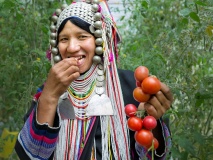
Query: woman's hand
x=58, y=80
x=60, y=77
x=158, y=103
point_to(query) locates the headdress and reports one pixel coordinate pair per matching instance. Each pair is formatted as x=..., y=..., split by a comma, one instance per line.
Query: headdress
x=113, y=127
x=101, y=23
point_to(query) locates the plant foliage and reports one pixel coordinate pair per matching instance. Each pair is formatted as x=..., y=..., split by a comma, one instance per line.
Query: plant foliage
x=174, y=40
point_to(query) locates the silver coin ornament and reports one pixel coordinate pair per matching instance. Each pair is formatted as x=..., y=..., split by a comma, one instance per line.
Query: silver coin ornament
x=99, y=90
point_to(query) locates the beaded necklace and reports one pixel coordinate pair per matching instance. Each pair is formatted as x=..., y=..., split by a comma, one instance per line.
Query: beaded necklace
x=84, y=88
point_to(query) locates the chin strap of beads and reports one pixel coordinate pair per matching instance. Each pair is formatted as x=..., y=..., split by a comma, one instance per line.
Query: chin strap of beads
x=95, y=28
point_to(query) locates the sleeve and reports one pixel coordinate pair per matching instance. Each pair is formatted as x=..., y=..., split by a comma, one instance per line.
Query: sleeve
x=35, y=140
x=128, y=84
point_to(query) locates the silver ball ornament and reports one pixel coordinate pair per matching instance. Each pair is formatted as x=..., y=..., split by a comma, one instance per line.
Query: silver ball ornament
x=53, y=35
x=58, y=11
x=95, y=7
x=54, y=51
x=96, y=59
x=53, y=42
x=57, y=59
x=99, y=41
x=97, y=16
x=88, y=1
x=95, y=1
x=54, y=18
x=98, y=33
x=99, y=50
x=98, y=24
x=64, y=6
x=53, y=28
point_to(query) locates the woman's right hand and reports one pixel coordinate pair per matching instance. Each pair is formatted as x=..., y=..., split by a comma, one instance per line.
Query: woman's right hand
x=59, y=78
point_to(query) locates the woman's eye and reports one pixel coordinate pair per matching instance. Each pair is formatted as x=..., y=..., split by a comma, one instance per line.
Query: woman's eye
x=82, y=36
x=63, y=39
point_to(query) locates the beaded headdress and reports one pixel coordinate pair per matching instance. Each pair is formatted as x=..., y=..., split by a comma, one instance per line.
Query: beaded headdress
x=101, y=22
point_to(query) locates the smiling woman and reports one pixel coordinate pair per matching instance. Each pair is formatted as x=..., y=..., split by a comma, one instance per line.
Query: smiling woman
x=78, y=44
x=79, y=111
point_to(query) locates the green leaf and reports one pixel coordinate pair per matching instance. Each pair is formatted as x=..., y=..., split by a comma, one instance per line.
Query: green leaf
x=184, y=12
x=144, y=4
x=194, y=16
x=186, y=144
x=200, y=3
x=185, y=21
x=199, y=138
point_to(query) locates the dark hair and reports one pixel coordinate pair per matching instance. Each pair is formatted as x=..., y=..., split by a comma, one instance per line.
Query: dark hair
x=76, y=21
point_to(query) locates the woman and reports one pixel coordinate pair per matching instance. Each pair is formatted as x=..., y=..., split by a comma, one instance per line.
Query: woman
x=79, y=112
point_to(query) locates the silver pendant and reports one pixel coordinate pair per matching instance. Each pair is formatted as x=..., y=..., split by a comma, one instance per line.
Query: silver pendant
x=99, y=90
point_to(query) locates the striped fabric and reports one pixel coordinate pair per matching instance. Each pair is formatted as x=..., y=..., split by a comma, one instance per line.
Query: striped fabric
x=38, y=140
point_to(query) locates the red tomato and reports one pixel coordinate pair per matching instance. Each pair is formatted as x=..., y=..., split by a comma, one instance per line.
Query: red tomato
x=135, y=123
x=138, y=84
x=149, y=122
x=139, y=95
x=141, y=73
x=155, y=144
x=130, y=110
x=144, y=137
x=151, y=85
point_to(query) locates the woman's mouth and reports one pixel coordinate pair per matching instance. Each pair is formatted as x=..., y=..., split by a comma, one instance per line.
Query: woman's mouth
x=80, y=59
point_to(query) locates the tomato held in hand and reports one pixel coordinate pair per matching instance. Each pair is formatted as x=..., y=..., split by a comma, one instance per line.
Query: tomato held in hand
x=130, y=110
x=135, y=123
x=144, y=137
x=141, y=73
x=155, y=144
x=149, y=122
x=139, y=95
x=151, y=85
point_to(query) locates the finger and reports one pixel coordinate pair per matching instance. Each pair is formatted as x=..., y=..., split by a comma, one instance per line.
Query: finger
x=155, y=108
x=166, y=103
x=150, y=109
x=141, y=106
x=167, y=92
x=65, y=64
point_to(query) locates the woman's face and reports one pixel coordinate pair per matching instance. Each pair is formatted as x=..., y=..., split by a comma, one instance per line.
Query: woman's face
x=78, y=43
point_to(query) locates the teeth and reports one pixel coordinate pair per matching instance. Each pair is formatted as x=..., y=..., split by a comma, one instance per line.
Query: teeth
x=78, y=58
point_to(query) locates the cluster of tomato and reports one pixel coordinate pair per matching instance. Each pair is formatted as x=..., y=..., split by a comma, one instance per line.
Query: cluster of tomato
x=142, y=126
x=146, y=85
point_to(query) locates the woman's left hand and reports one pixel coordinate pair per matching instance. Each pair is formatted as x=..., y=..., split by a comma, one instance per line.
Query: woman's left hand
x=158, y=103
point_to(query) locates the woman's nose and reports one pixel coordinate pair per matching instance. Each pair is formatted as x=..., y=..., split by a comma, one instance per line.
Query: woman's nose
x=73, y=46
